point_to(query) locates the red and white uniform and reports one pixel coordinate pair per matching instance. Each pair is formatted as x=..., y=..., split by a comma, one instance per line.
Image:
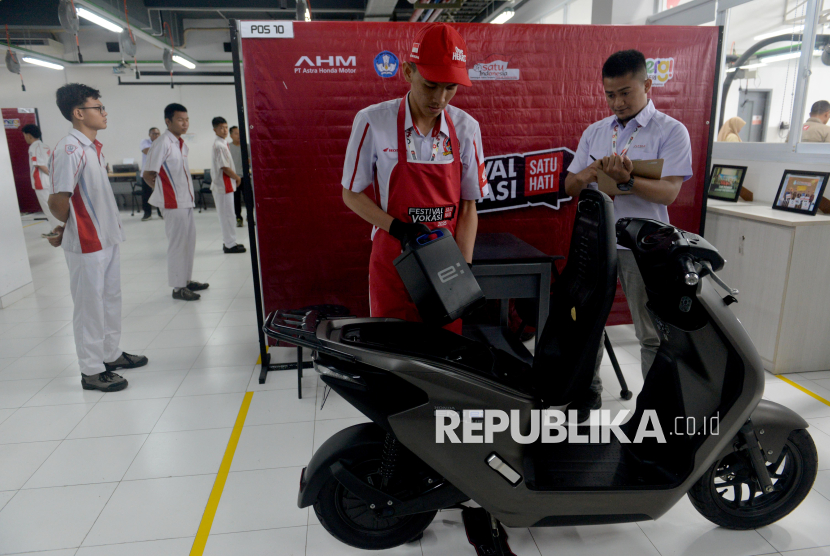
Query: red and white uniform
x=417, y=177
x=78, y=167
x=222, y=186
x=174, y=193
x=174, y=185
x=39, y=155
x=91, y=244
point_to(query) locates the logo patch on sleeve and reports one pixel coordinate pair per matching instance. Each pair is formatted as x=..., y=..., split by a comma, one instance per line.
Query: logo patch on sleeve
x=71, y=149
x=431, y=214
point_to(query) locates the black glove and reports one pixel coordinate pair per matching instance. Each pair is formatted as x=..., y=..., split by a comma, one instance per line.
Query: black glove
x=407, y=231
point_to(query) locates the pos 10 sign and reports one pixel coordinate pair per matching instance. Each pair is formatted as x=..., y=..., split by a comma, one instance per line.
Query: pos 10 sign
x=267, y=29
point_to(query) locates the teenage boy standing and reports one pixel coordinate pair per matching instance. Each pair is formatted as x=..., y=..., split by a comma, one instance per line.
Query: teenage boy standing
x=146, y=190
x=82, y=198
x=39, y=155
x=636, y=131
x=236, y=154
x=223, y=184
x=168, y=173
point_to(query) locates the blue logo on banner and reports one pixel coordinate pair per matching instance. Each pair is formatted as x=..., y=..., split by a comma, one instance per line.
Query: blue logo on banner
x=386, y=64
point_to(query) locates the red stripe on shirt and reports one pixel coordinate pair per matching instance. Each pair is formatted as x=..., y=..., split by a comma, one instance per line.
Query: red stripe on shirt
x=228, y=184
x=357, y=158
x=87, y=234
x=482, y=177
x=36, y=176
x=167, y=188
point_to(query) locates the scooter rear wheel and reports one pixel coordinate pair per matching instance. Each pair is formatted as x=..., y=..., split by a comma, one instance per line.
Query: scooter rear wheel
x=728, y=493
x=351, y=520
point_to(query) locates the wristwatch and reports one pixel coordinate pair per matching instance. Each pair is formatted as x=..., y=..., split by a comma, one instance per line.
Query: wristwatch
x=626, y=186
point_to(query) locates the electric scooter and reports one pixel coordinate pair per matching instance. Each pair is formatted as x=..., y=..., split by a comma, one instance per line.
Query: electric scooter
x=744, y=462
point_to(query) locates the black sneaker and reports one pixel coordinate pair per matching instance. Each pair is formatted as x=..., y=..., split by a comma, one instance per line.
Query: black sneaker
x=158, y=210
x=147, y=217
x=126, y=361
x=585, y=406
x=107, y=381
x=185, y=295
x=239, y=222
x=197, y=286
x=238, y=248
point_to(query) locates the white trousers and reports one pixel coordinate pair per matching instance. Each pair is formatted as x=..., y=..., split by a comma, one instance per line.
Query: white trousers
x=43, y=199
x=181, y=247
x=227, y=217
x=95, y=283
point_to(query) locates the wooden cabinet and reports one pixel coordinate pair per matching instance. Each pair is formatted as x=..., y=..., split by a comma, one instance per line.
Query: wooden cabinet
x=780, y=263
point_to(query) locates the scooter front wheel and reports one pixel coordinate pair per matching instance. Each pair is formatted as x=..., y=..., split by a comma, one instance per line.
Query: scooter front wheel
x=352, y=521
x=729, y=495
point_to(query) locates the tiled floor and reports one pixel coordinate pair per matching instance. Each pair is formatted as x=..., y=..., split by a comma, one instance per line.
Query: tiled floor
x=129, y=473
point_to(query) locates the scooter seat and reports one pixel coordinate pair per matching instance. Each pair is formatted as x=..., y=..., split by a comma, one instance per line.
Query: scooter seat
x=424, y=341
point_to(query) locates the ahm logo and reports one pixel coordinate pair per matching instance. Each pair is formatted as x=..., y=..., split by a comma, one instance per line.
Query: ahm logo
x=449, y=273
x=331, y=61
x=459, y=55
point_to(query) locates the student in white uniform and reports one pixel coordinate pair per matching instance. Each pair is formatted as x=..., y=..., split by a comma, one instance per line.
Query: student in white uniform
x=168, y=173
x=636, y=131
x=39, y=172
x=224, y=183
x=82, y=198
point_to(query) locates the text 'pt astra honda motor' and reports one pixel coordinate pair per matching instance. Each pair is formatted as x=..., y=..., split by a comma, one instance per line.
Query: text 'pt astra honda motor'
x=744, y=462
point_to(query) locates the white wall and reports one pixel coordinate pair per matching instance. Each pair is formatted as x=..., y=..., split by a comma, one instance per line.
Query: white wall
x=132, y=109
x=15, y=273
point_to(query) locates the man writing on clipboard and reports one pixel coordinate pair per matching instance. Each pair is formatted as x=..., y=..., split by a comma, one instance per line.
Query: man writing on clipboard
x=636, y=131
x=424, y=160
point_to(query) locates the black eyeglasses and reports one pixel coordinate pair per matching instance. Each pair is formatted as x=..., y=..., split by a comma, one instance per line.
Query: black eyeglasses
x=100, y=109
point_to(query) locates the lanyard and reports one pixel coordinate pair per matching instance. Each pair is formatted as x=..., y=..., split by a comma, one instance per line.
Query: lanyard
x=435, y=144
x=627, y=145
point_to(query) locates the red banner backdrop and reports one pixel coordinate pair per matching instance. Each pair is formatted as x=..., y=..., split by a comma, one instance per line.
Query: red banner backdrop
x=535, y=90
x=13, y=121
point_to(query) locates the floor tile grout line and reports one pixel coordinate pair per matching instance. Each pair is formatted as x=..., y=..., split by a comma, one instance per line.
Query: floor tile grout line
x=206, y=524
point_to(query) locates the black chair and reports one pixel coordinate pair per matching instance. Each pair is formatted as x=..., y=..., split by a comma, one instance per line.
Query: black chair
x=203, y=190
x=137, y=192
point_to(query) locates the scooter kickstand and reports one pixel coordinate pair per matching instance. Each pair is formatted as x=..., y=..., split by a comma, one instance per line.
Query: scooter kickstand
x=485, y=533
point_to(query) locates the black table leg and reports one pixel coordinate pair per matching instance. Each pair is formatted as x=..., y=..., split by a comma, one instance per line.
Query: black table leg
x=625, y=393
x=299, y=372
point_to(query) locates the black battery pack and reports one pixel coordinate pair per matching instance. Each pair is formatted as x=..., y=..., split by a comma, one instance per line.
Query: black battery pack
x=438, y=278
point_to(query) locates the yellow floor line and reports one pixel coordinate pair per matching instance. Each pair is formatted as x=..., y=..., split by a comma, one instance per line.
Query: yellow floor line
x=28, y=225
x=216, y=494
x=811, y=394
x=259, y=359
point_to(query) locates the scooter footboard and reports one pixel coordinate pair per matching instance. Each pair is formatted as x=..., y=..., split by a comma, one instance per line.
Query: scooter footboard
x=350, y=442
x=773, y=424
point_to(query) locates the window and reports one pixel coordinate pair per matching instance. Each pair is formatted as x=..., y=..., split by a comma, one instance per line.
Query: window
x=763, y=71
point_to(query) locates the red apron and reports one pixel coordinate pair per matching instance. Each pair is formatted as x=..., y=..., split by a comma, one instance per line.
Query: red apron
x=411, y=185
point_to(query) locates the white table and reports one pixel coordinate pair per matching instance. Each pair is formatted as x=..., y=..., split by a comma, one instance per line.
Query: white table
x=780, y=262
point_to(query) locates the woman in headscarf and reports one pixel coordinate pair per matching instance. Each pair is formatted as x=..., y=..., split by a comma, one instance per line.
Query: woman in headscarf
x=730, y=130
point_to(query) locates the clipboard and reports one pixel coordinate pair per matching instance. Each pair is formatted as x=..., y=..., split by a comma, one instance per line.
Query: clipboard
x=649, y=169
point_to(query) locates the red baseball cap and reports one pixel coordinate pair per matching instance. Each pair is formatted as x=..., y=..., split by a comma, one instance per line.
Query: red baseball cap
x=440, y=54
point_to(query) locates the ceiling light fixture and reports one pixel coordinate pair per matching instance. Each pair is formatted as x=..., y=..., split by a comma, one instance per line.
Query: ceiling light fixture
x=44, y=63
x=795, y=31
x=98, y=20
x=186, y=63
x=504, y=16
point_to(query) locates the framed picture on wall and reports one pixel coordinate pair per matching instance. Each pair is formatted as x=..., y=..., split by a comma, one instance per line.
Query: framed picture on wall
x=726, y=182
x=800, y=191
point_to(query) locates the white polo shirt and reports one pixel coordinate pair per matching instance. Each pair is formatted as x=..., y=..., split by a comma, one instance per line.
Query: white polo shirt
x=373, y=149
x=221, y=183
x=659, y=136
x=174, y=186
x=146, y=143
x=39, y=156
x=78, y=167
